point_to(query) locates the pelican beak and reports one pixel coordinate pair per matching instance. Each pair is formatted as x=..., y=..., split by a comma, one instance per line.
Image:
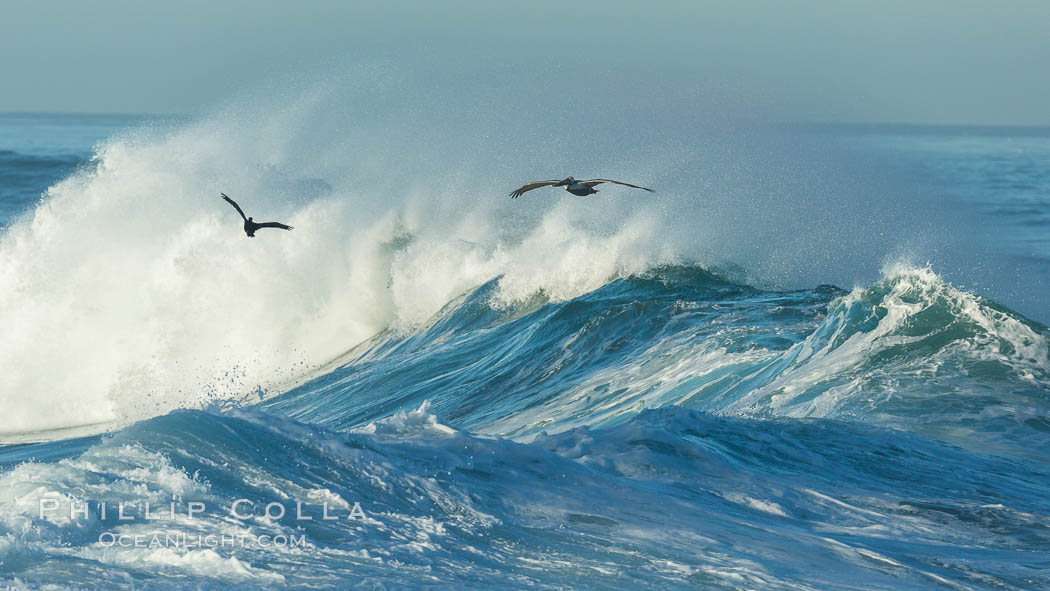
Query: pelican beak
x=562, y=183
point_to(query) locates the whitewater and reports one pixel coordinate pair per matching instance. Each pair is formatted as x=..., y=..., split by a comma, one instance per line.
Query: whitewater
x=776, y=372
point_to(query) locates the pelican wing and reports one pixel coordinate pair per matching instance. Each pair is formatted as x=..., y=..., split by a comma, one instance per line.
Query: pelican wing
x=530, y=186
x=274, y=225
x=593, y=182
x=234, y=204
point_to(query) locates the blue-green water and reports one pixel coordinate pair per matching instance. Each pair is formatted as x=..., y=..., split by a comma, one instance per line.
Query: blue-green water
x=999, y=178
x=569, y=394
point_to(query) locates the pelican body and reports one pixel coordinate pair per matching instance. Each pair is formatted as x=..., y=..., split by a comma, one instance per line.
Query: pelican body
x=250, y=226
x=579, y=188
x=576, y=188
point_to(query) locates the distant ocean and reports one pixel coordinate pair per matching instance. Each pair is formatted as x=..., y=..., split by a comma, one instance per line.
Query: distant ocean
x=426, y=385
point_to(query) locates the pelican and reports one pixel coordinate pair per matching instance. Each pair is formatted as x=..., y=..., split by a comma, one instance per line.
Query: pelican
x=250, y=225
x=571, y=185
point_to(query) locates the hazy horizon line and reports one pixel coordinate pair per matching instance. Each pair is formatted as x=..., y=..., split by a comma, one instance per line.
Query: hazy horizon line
x=785, y=123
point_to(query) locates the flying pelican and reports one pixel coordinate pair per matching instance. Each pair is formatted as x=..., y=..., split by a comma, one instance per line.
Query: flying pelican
x=571, y=185
x=250, y=225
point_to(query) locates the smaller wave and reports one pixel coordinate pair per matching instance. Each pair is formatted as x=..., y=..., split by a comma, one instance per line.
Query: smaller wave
x=914, y=351
x=15, y=159
x=670, y=497
x=25, y=177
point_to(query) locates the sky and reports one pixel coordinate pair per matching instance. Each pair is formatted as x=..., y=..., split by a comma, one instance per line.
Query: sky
x=923, y=62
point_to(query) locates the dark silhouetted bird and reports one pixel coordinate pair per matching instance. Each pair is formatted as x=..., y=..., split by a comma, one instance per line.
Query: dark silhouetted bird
x=250, y=225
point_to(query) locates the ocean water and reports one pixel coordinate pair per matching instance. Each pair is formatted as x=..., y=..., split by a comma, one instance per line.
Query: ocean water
x=813, y=359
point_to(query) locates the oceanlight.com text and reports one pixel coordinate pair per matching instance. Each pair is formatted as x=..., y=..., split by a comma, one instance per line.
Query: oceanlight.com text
x=110, y=539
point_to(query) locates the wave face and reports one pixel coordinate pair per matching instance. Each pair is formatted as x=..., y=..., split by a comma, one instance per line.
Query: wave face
x=909, y=352
x=640, y=391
